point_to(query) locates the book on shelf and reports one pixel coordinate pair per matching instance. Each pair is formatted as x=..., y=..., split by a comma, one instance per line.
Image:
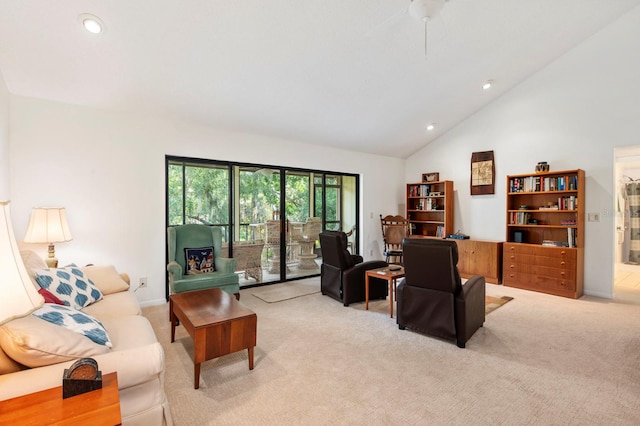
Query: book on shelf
x=571, y=237
x=542, y=184
x=420, y=190
x=519, y=218
x=552, y=243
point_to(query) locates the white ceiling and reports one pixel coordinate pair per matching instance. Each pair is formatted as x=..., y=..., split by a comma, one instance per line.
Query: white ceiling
x=344, y=73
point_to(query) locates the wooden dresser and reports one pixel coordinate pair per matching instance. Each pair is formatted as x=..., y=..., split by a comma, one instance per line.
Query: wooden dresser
x=550, y=270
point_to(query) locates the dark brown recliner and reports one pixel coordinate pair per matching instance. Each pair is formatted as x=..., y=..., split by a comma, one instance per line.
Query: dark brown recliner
x=432, y=299
x=342, y=273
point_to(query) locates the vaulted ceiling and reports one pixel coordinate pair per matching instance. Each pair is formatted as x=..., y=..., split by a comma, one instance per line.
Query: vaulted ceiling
x=344, y=73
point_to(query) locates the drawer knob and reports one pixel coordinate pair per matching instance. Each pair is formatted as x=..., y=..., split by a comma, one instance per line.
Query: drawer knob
x=562, y=263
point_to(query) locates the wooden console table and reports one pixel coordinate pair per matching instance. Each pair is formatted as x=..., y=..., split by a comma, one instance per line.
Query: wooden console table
x=479, y=257
x=100, y=407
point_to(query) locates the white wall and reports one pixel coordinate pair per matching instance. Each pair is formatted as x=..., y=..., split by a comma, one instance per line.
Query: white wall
x=5, y=193
x=571, y=114
x=107, y=170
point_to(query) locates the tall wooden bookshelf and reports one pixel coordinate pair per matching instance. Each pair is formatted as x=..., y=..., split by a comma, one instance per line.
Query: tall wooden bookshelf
x=544, y=248
x=430, y=208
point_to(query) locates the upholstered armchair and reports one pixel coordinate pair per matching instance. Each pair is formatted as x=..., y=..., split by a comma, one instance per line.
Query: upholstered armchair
x=342, y=274
x=192, y=266
x=432, y=299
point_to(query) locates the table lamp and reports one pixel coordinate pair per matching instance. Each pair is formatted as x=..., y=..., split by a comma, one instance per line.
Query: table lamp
x=19, y=295
x=48, y=225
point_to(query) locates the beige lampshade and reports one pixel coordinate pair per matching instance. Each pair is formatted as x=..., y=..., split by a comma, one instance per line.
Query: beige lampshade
x=48, y=225
x=19, y=295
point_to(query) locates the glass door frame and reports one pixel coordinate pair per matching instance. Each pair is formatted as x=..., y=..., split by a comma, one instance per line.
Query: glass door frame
x=233, y=196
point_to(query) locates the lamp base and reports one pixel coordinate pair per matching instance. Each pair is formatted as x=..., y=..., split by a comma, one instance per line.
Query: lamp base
x=52, y=262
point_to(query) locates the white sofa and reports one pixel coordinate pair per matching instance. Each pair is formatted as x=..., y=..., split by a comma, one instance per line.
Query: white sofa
x=48, y=349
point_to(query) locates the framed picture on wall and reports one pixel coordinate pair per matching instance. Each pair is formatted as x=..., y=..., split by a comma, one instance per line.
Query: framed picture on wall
x=430, y=177
x=482, y=173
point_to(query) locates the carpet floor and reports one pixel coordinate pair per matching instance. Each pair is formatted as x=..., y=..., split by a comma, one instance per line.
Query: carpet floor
x=538, y=360
x=286, y=291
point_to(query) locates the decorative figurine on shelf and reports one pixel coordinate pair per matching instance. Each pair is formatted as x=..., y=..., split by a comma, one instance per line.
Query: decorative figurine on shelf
x=542, y=166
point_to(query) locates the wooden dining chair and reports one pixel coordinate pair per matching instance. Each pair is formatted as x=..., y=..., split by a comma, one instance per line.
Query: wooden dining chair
x=394, y=230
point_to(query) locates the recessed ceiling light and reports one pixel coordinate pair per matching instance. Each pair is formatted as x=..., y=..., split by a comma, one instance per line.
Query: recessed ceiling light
x=430, y=127
x=487, y=85
x=91, y=23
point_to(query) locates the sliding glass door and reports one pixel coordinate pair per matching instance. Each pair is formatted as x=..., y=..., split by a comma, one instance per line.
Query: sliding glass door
x=271, y=215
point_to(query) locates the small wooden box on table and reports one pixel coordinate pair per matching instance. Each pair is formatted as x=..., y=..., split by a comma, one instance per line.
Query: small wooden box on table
x=100, y=407
x=217, y=323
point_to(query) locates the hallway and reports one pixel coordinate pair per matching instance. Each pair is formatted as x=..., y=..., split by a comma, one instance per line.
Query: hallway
x=626, y=287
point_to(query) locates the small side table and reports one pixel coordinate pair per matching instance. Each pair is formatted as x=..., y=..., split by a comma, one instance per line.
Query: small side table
x=384, y=274
x=99, y=407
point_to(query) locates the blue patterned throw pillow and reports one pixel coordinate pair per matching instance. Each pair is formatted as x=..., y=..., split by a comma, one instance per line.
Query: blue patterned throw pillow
x=76, y=321
x=70, y=285
x=199, y=260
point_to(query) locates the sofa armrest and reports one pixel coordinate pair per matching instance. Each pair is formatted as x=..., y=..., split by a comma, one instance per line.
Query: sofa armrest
x=134, y=366
x=125, y=277
x=175, y=270
x=225, y=264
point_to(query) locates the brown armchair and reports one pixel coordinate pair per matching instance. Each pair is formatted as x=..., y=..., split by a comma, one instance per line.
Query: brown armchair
x=342, y=273
x=432, y=299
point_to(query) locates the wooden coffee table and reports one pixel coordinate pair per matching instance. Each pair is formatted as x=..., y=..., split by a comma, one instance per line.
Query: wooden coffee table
x=98, y=407
x=217, y=323
x=384, y=274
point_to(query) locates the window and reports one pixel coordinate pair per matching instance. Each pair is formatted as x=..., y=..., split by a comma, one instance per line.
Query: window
x=244, y=198
x=198, y=193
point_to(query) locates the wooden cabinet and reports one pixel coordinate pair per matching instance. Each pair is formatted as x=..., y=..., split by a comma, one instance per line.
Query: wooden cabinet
x=478, y=257
x=545, y=233
x=430, y=208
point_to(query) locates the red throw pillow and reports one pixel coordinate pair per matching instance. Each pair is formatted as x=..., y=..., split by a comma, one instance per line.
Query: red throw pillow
x=50, y=297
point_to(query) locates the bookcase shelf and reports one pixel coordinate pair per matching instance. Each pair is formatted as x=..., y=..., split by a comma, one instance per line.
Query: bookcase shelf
x=544, y=248
x=430, y=208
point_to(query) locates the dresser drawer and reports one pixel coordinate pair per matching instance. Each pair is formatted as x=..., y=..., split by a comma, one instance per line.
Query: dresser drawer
x=542, y=283
x=565, y=253
x=536, y=269
x=530, y=259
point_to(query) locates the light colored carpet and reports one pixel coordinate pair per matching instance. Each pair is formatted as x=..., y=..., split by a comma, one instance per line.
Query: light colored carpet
x=286, y=291
x=538, y=360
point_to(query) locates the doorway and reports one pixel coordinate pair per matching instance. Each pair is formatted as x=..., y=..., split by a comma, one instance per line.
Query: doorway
x=626, y=267
x=270, y=216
